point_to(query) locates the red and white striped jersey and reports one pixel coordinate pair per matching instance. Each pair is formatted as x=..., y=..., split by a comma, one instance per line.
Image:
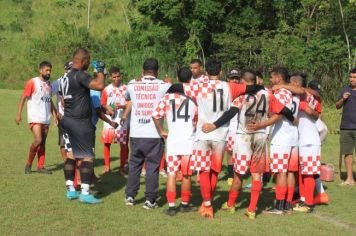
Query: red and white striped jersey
x=179, y=111
x=254, y=108
x=39, y=94
x=114, y=95
x=307, y=128
x=213, y=99
x=284, y=133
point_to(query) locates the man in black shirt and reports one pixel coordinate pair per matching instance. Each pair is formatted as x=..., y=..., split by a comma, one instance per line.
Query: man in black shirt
x=78, y=130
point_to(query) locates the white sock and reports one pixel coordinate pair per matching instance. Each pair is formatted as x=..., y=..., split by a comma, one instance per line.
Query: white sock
x=302, y=199
x=85, y=189
x=184, y=203
x=207, y=203
x=319, y=186
x=70, y=185
x=171, y=204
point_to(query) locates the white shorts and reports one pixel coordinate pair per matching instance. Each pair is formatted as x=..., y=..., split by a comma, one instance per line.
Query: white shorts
x=309, y=159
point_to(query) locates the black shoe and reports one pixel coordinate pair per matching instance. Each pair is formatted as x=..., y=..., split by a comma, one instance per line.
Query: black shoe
x=130, y=201
x=187, y=208
x=27, y=169
x=44, y=171
x=150, y=205
x=171, y=211
x=288, y=208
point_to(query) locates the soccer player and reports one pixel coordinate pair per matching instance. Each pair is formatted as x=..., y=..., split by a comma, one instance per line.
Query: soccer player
x=180, y=112
x=233, y=77
x=113, y=100
x=146, y=145
x=284, y=146
x=309, y=146
x=78, y=129
x=38, y=93
x=196, y=66
x=250, y=145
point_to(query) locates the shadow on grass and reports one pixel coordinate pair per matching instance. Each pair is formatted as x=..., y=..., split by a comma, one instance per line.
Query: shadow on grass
x=110, y=182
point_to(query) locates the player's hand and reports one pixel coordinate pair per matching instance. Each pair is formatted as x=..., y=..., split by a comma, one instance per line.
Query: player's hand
x=18, y=119
x=346, y=95
x=208, y=127
x=123, y=120
x=59, y=116
x=253, y=126
x=277, y=87
x=99, y=66
x=163, y=134
x=114, y=124
x=296, y=121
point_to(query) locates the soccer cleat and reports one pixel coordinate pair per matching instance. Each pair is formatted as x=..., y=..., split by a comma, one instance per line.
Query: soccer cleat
x=273, y=211
x=44, y=171
x=143, y=173
x=321, y=198
x=208, y=212
x=71, y=195
x=227, y=208
x=130, y=201
x=288, y=208
x=149, y=205
x=250, y=214
x=229, y=181
x=302, y=207
x=89, y=199
x=163, y=173
x=171, y=211
x=27, y=169
x=187, y=208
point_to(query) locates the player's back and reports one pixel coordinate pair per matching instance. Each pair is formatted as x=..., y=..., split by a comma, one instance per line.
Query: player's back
x=308, y=131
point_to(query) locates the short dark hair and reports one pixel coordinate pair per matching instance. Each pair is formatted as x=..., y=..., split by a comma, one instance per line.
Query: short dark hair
x=196, y=61
x=213, y=67
x=353, y=70
x=45, y=64
x=184, y=74
x=259, y=74
x=114, y=69
x=81, y=53
x=249, y=76
x=302, y=76
x=282, y=71
x=150, y=64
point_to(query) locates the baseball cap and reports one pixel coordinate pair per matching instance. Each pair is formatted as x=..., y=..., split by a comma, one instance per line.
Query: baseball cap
x=234, y=73
x=315, y=85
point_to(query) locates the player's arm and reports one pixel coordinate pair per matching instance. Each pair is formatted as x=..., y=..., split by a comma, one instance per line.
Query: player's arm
x=160, y=130
x=303, y=106
x=294, y=89
x=237, y=90
x=342, y=99
x=54, y=113
x=126, y=112
x=316, y=94
x=256, y=126
x=98, y=83
x=223, y=119
x=101, y=114
x=18, y=118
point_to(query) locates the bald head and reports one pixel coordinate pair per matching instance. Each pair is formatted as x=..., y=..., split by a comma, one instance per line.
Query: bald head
x=249, y=77
x=81, y=59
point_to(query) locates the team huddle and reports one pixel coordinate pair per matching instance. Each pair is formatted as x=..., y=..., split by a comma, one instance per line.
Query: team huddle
x=271, y=132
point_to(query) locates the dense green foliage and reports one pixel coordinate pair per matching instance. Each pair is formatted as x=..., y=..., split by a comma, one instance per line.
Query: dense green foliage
x=304, y=35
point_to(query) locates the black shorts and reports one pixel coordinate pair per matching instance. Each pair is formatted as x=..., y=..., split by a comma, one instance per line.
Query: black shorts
x=79, y=135
x=60, y=135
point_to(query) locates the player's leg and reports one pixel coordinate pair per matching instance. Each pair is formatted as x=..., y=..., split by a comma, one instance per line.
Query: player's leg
x=233, y=193
x=42, y=152
x=347, y=148
x=230, y=164
x=69, y=175
x=173, y=163
x=321, y=197
x=107, y=136
x=216, y=163
x=293, y=167
x=162, y=172
x=124, y=152
x=37, y=139
x=186, y=185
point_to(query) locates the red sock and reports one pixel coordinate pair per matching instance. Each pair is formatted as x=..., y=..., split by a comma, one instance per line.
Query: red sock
x=171, y=197
x=290, y=193
x=31, y=154
x=309, y=186
x=107, y=155
x=124, y=151
x=185, y=196
x=162, y=162
x=213, y=180
x=232, y=198
x=41, y=156
x=255, y=194
x=205, y=186
x=75, y=181
x=281, y=192
x=301, y=185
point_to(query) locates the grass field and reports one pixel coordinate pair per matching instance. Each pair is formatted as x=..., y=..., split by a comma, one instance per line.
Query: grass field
x=35, y=204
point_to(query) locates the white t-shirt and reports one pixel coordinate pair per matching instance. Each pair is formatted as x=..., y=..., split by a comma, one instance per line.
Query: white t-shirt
x=39, y=94
x=114, y=95
x=180, y=112
x=56, y=91
x=284, y=133
x=307, y=128
x=213, y=99
x=144, y=94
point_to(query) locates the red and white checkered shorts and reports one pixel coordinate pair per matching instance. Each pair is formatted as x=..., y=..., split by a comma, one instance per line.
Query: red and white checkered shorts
x=283, y=159
x=207, y=155
x=177, y=163
x=250, y=152
x=109, y=135
x=230, y=141
x=309, y=159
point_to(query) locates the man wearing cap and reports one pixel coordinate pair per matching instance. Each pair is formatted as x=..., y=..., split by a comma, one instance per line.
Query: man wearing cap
x=347, y=101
